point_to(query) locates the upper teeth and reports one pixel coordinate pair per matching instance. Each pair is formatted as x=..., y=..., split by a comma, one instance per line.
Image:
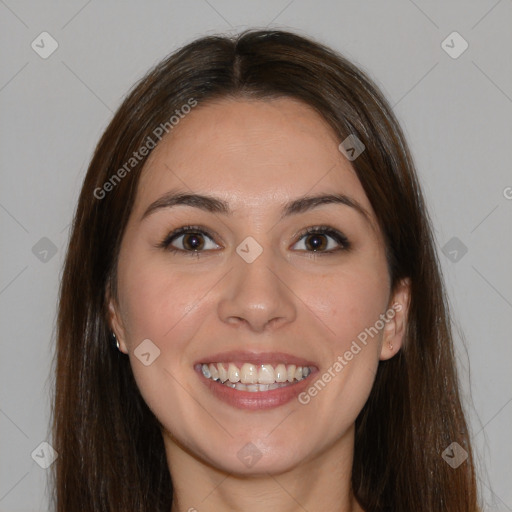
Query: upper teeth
x=254, y=374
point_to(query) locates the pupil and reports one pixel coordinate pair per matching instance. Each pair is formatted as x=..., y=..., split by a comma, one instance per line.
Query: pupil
x=316, y=242
x=193, y=241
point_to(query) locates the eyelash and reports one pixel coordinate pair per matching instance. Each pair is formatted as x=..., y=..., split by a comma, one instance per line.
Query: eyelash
x=339, y=237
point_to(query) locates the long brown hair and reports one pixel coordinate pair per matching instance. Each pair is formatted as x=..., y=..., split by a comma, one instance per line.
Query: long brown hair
x=111, y=452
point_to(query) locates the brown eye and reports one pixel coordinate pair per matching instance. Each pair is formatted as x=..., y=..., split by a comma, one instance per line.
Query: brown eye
x=188, y=239
x=322, y=239
x=316, y=242
x=193, y=241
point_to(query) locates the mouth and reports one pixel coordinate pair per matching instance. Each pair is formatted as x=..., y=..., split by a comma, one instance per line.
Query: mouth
x=253, y=378
x=255, y=381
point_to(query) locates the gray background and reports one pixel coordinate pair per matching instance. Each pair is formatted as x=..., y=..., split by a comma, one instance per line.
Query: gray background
x=456, y=113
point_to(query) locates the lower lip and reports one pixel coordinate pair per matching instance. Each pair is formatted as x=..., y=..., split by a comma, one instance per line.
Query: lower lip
x=256, y=400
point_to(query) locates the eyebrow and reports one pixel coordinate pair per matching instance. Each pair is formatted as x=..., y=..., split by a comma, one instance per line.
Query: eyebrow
x=216, y=205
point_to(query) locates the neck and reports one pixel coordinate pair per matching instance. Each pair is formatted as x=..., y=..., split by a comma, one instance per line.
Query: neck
x=322, y=483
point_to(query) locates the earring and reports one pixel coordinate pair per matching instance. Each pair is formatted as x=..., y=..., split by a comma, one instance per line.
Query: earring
x=390, y=345
x=115, y=339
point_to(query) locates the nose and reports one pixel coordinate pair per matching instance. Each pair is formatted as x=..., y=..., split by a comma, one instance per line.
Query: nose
x=257, y=296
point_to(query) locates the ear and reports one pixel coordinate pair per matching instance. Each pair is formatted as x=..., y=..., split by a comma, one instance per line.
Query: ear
x=114, y=319
x=397, y=312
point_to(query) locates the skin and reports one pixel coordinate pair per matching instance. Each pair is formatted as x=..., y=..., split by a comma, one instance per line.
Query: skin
x=256, y=156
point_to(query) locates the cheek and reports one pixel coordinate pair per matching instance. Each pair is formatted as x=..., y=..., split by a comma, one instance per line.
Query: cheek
x=349, y=305
x=168, y=307
x=158, y=300
x=348, y=302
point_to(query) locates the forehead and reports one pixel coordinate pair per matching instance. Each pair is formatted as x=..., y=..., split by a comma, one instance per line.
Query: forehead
x=250, y=152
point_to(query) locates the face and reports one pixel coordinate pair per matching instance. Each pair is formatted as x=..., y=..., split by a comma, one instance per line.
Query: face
x=230, y=265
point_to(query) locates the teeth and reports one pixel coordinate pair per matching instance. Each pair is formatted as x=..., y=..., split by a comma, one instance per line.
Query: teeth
x=249, y=374
x=254, y=387
x=266, y=374
x=254, y=378
x=223, y=373
x=206, y=371
x=213, y=371
x=233, y=373
x=281, y=374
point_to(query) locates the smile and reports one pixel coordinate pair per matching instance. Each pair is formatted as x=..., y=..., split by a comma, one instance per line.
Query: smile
x=253, y=378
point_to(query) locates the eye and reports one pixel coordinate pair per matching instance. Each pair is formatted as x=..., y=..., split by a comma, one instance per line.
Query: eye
x=194, y=240
x=322, y=239
x=191, y=239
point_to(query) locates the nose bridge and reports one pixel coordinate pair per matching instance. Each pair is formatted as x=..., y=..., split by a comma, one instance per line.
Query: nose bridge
x=256, y=296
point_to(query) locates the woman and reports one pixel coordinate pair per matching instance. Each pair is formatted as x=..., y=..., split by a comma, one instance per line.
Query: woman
x=252, y=315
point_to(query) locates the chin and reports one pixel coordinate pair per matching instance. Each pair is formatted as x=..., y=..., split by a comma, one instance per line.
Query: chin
x=259, y=457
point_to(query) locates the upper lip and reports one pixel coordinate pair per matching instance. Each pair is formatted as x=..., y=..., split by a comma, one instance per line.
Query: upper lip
x=255, y=358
